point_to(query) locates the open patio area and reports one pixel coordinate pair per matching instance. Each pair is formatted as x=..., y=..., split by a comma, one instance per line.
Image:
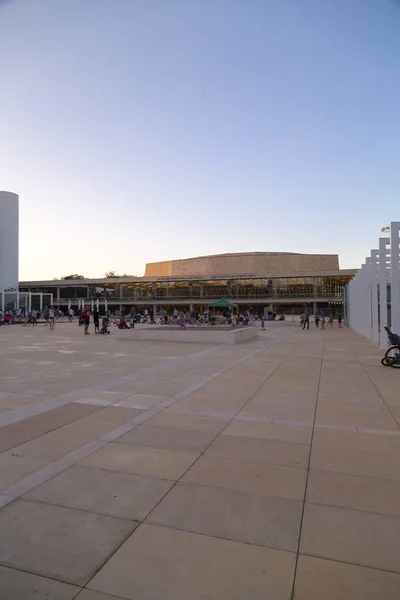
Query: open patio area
x=138, y=470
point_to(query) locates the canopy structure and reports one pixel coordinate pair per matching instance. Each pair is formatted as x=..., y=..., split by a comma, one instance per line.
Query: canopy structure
x=223, y=303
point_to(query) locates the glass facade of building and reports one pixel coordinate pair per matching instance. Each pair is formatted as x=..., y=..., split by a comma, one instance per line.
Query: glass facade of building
x=163, y=291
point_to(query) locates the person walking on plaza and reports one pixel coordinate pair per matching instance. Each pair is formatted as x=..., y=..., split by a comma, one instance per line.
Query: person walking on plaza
x=96, y=321
x=46, y=314
x=52, y=318
x=339, y=320
x=306, y=320
x=86, y=319
x=331, y=319
x=322, y=320
x=70, y=314
x=34, y=317
x=316, y=320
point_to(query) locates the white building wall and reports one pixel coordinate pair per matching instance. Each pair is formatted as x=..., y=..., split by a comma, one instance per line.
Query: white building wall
x=9, y=222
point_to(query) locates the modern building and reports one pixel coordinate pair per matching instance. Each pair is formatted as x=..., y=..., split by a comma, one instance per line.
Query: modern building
x=258, y=281
x=9, y=225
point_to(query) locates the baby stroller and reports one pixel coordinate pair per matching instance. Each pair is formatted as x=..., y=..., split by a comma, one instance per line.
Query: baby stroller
x=104, y=326
x=122, y=323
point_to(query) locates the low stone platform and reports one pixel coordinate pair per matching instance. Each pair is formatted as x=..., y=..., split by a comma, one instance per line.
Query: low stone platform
x=197, y=335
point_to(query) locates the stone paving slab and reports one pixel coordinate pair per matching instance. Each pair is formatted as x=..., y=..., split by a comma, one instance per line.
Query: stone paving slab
x=351, y=491
x=248, y=476
x=328, y=580
x=370, y=463
x=17, y=585
x=168, y=439
x=270, y=431
x=141, y=460
x=351, y=536
x=231, y=515
x=194, y=566
x=259, y=450
x=189, y=422
x=104, y=492
x=61, y=543
x=218, y=448
x=90, y=595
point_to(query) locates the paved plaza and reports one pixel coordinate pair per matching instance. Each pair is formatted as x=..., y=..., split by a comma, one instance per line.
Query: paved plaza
x=170, y=471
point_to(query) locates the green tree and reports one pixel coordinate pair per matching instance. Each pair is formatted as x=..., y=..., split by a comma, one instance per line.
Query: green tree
x=74, y=276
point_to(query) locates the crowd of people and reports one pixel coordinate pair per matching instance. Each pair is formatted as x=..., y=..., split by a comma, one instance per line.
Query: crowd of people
x=182, y=318
x=320, y=319
x=22, y=316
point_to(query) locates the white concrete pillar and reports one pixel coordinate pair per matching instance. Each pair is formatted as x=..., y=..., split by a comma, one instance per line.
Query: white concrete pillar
x=41, y=301
x=97, y=305
x=383, y=321
x=374, y=296
x=395, y=275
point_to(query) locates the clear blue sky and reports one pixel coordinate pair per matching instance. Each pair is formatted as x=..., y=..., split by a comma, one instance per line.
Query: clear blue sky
x=144, y=130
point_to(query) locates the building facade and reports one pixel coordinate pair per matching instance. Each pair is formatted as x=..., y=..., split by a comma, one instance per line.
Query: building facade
x=259, y=290
x=251, y=263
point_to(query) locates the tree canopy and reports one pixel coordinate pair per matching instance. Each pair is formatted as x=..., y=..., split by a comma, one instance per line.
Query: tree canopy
x=74, y=276
x=114, y=275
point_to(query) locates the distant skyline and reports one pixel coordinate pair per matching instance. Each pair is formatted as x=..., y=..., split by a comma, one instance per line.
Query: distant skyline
x=138, y=131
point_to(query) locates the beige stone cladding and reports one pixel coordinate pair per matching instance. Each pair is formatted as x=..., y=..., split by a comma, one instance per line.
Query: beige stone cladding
x=244, y=263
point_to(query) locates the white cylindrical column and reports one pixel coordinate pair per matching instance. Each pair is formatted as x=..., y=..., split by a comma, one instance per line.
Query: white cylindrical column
x=9, y=222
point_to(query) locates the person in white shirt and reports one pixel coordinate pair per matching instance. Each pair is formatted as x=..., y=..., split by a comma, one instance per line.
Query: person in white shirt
x=52, y=318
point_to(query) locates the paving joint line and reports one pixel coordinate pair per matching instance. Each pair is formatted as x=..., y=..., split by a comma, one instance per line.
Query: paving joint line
x=293, y=593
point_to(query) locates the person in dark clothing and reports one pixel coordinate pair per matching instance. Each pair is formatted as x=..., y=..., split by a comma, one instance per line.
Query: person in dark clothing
x=96, y=321
x=86, y=319
x=306, y=320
